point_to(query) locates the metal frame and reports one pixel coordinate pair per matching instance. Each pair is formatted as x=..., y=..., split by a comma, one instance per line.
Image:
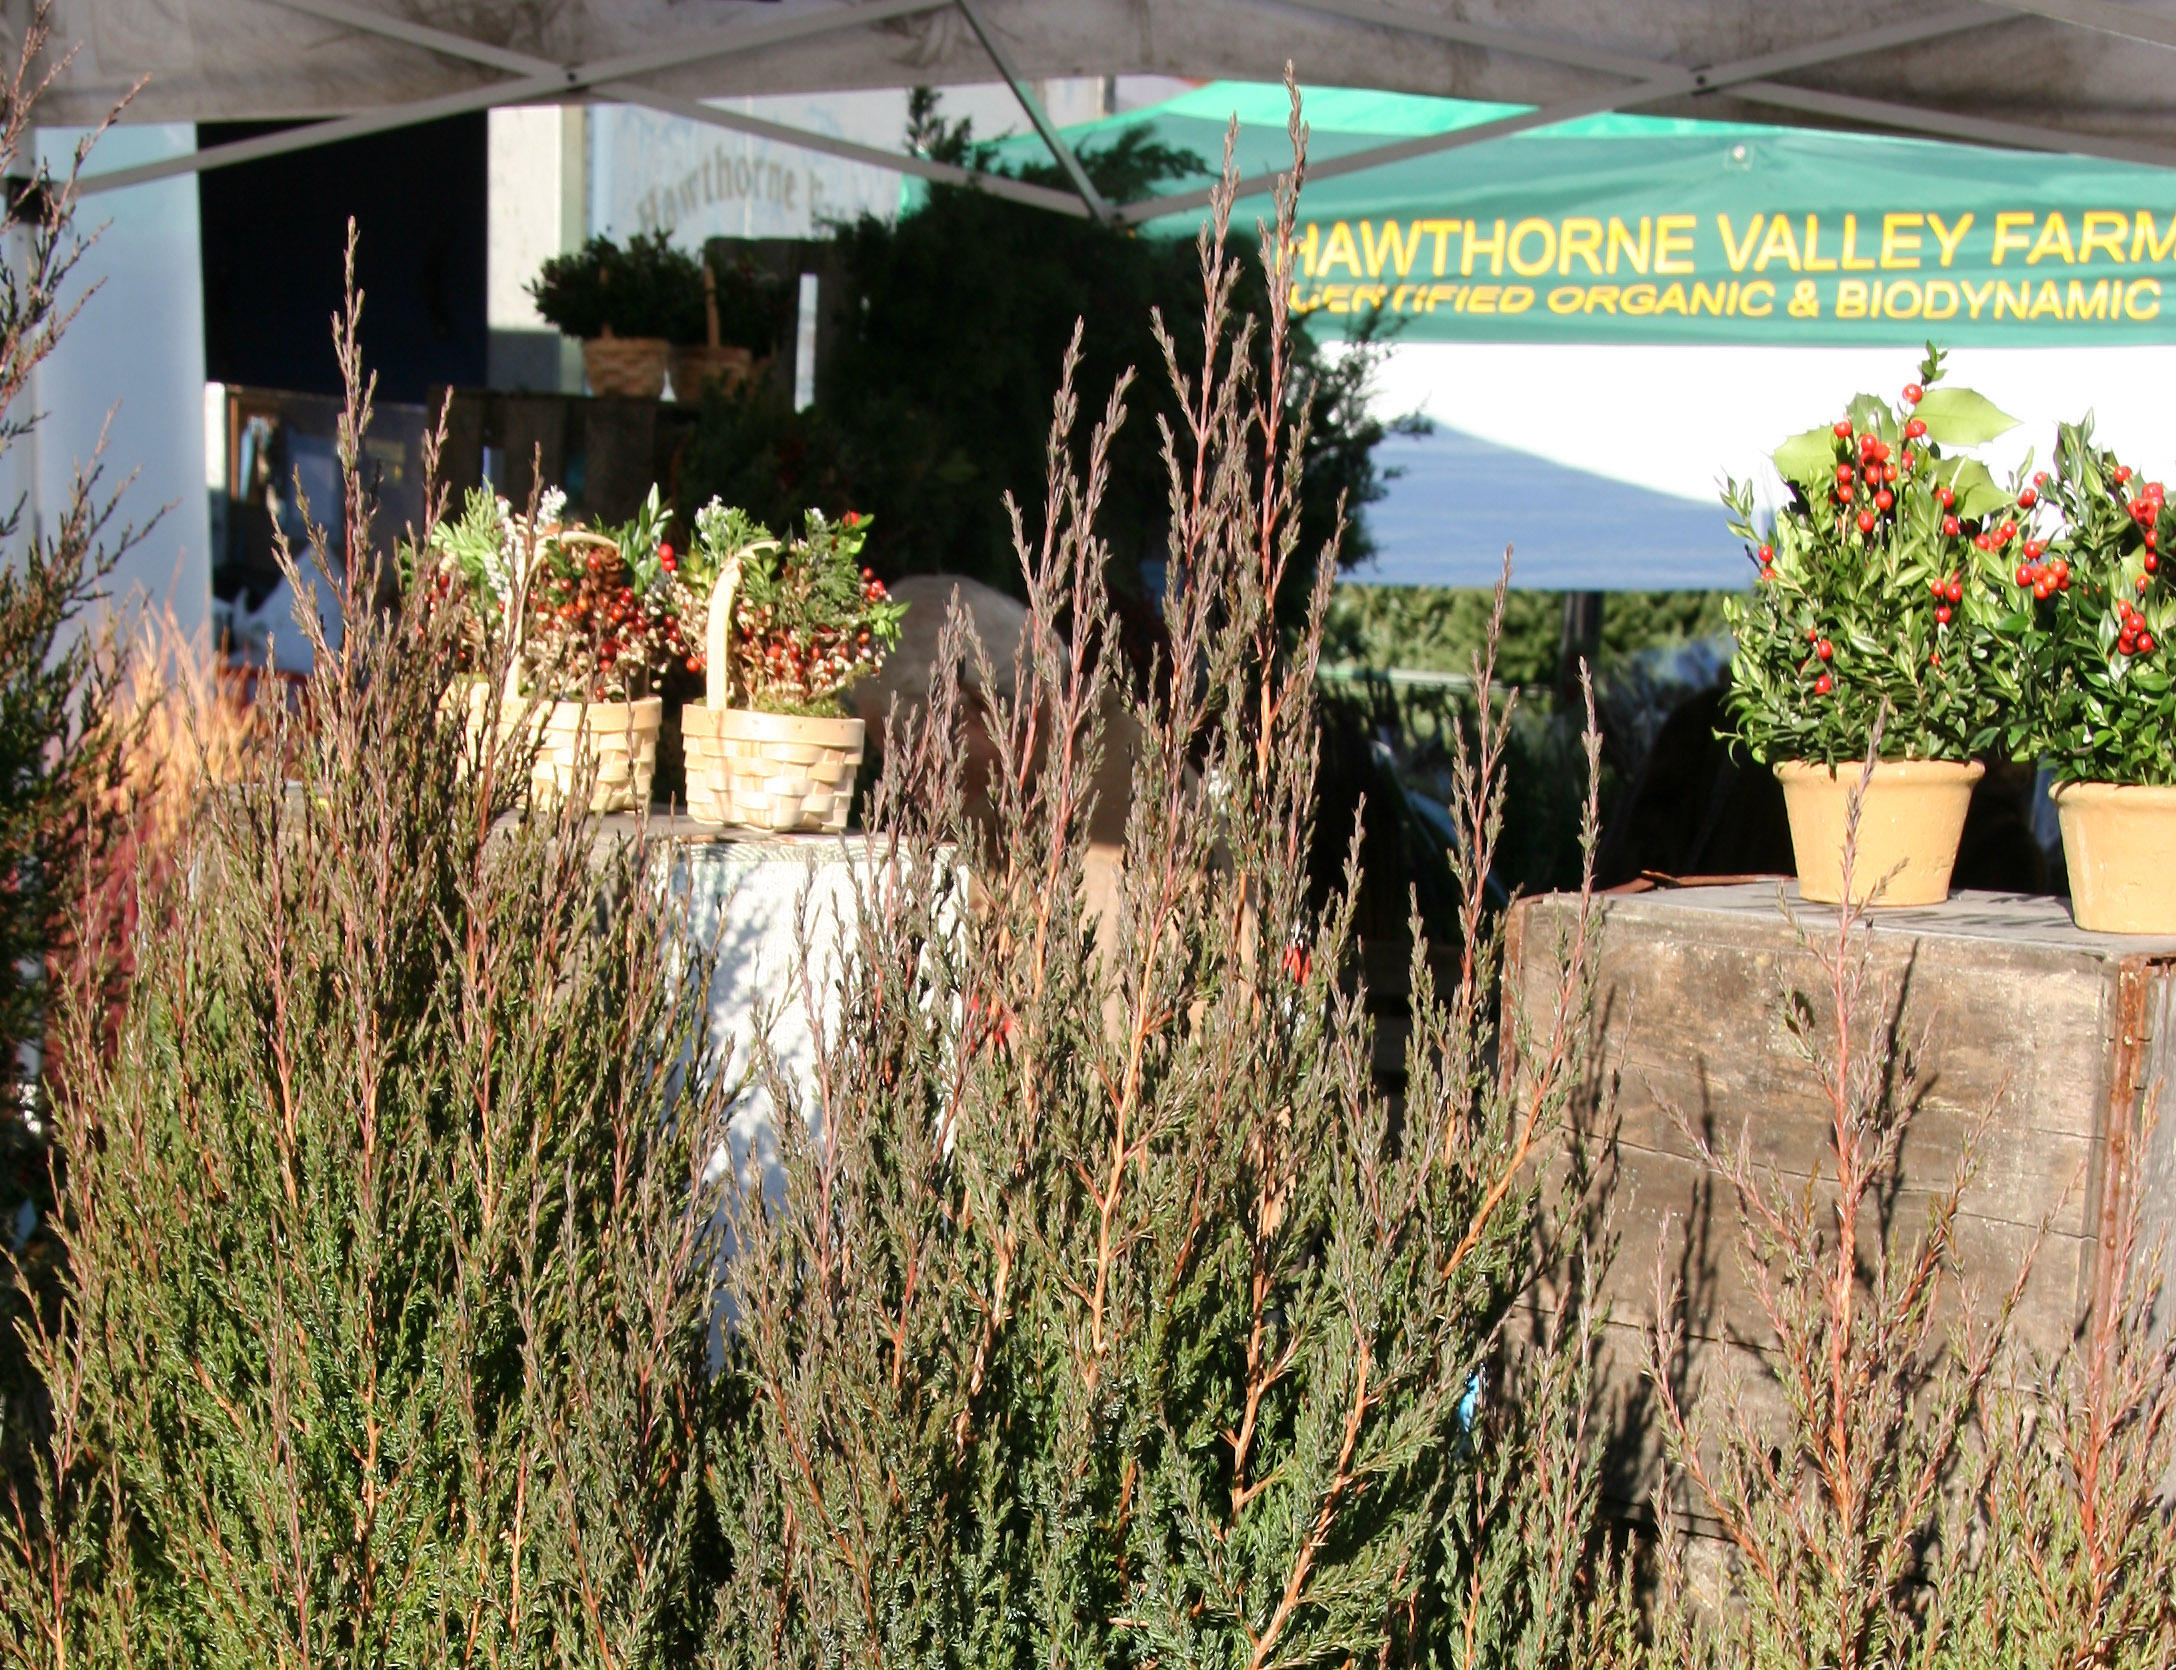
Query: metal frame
x=531, y=79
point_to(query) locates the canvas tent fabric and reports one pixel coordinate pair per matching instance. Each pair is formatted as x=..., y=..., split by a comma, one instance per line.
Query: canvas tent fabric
x=2059, y=74
x=1623, y=228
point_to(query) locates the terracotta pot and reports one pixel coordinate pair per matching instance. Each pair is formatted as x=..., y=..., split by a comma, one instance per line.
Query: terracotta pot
x=2119, y=842
x=629, y=365
x=1909, y=824
x=620, y=736
x=769, y=771
x=694, y=366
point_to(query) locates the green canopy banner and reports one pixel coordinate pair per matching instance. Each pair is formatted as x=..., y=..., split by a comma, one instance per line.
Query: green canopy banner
x=1637, y=229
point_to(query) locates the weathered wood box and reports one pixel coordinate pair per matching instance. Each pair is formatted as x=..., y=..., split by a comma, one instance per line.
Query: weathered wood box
x=2051, y=1042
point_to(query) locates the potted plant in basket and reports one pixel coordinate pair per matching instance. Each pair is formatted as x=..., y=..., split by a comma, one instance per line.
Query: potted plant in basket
x=628, y=306
x=1873, y=614
x=787, y=626
x=2087, y=684
x=734, y=330
x=591, y=619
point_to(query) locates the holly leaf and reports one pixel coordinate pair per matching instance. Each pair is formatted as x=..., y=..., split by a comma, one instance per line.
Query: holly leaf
x=1978, y=494
x=1958, y=417
x=1869, y=413
x=1808, y=460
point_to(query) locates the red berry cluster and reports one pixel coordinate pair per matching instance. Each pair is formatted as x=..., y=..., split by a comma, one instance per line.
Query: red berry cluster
x=1870, y=478
x=808, y=663
x=2145, y=510
x=589, y=628
x=2133, y=636
x=1823, y=652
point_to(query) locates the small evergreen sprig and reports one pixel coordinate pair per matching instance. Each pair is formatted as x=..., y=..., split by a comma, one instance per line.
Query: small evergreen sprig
x=2086, y=680
x=1878, y=591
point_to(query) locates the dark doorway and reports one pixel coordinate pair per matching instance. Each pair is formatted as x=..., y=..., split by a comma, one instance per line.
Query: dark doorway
x=273, y=231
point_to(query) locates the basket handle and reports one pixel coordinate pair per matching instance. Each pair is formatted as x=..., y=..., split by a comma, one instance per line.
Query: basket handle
x=718, y=637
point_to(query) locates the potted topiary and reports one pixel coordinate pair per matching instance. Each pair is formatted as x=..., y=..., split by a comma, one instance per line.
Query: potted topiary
x=591, y=618
x=1872, y=616
x=743, y=308
x=2087, y=684
x=628, y=306
x=786, y=627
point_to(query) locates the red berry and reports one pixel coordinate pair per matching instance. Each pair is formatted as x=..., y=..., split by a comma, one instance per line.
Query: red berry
x=1983, y=542
x=2145, y=643
x=1884, y=499
x=2150, y=562
x=1767, y=574
x=1936, y=658
x=1824, y=649
x=1842, y=429
x=2005, y=533
x=1822, y=685
x=2024, y=575
x=1945, y=496
x=2033, y=548
x=1767, y=554
x=2027, y=499
x=1941, y=615
x=1866, y=521
x=2139, y=585
x=1843, y=491
x=1956, y=591
x=668, y=562
x=2122, y=474
x=1912, y=392
x=1950, y=526
x=1911, y=461
x=1914, y=429
x=2040, y=478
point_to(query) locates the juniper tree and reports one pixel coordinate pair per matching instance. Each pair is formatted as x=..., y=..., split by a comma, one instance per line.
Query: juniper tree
x=1103, y=1307
x=384, y=1320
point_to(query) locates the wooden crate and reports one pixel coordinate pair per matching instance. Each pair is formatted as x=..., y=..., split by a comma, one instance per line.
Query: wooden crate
x=2058, y=1039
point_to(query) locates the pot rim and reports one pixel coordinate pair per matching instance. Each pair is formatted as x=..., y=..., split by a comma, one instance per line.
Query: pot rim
x=2091, y=790
x=1954, y=771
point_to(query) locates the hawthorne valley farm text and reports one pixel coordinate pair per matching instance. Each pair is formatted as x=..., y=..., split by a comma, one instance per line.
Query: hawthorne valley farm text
x=2022, y=272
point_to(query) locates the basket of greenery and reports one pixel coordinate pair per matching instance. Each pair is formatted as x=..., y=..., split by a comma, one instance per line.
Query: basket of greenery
x=1870, y=630
x=787, y=626
x=743, y=308
x=2087, y=687
x=628, y=306
x=585, y=620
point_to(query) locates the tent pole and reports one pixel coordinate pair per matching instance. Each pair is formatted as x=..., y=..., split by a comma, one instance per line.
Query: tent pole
x=1662, y=81
x=2126, y=22
x=1098, y=209
x=555, y=84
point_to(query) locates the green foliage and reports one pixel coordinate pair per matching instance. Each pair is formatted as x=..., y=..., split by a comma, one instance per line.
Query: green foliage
x=646, y=289
x=753, y=306
x=1106, y=1311
x=808, y=619
x=388, y=1287
x=1870, y=612
x=2085, y=674
x=1439, y=629
x=933, y=408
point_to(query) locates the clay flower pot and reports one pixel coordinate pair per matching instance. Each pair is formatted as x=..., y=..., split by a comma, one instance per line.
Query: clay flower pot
x=773, y=771
x=1909, y=823
x=2119, y=841
x=621, y=737
x=627, y=365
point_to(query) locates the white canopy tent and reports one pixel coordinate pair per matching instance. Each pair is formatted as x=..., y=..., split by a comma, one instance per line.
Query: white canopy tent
x=2061, y=75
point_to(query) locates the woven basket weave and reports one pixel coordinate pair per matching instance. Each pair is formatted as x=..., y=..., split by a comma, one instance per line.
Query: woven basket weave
x=770, y=771
x=695, y=366
x=631, y=365
x=620, y=736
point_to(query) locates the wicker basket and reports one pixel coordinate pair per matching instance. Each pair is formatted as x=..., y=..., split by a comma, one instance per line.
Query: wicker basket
x=620, y=736
x=695, y=366
x=770, y=770
x=630, y=365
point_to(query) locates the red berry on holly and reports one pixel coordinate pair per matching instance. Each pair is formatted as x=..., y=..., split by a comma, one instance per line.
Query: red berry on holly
x=1843, y=491
x=2039, y=478
x=2139, y=585
x=2122, y=474
x=2145, y=643
x=1914, y=429
x=2150, y=562
x=1912, y=393
x=2005, y=533
x=1945, y=496
x=1941, y=615
x=1823, y=685
x=1936, y=658
x=1823, y=648
x=2027, y=499
x=1767, y=554
x=1884, y=499
x=1842, y=429
x=1956, y=591
x=1866, y=521
x=2024, y=575
x=2033, y=549
x=1950, y=526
